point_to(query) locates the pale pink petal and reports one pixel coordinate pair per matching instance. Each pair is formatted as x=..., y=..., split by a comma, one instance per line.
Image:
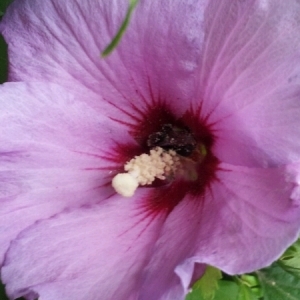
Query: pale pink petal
x=244, y=222
x=263, y=134
x=164, y=278
x=252, y=216
x=250, y=80
x=67, y=37
x=104, y=250
x=242, y=56
x=90, y=253
x=53, y=154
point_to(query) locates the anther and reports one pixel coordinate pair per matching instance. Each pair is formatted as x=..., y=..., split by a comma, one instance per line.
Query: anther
x=144, y=169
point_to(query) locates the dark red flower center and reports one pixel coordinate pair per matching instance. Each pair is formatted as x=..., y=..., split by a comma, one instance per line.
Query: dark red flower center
x=191, y=137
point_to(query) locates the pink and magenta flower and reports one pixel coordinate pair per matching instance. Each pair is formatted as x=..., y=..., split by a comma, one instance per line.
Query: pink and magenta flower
x=215, y=82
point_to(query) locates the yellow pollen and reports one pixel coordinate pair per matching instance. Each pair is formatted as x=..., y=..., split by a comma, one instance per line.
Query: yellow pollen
x=144, y=169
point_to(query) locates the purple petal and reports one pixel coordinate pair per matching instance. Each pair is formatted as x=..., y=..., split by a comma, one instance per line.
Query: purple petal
x=251, y=215
x=170, y=271
x=244, y=223
x=245, y=56
x=94, y=252
x=52, y=154
x=69, y=54
x=250, y=80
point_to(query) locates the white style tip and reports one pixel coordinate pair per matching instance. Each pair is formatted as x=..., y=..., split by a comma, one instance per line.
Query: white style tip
x=125, y=184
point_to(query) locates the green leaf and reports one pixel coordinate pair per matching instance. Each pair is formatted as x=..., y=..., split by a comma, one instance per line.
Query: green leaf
x=3, y=6
x=227, y=290
x=290, y=260
x=113, y=44
x=253, y=288
x=245, y=293
x=3, y=46
x=2, y=293
x=194, y=295
x=208, y=283
x=3, y=61
x=292, y=251
x=278, y=284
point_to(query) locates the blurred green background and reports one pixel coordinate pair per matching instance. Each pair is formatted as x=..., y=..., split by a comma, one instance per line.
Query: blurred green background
x=3, y=47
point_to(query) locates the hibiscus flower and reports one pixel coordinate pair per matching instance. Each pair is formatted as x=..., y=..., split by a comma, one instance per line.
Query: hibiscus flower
x=208, y=89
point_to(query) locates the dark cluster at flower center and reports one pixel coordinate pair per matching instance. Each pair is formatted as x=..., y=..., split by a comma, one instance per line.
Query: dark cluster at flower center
x=171, y=137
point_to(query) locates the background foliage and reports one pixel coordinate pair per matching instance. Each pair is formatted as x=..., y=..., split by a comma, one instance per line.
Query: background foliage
x=3, y=47
x=280, y=281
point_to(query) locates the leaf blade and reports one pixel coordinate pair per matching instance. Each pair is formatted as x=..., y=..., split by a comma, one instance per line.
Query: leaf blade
x=279, y=284
x=117, y=38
